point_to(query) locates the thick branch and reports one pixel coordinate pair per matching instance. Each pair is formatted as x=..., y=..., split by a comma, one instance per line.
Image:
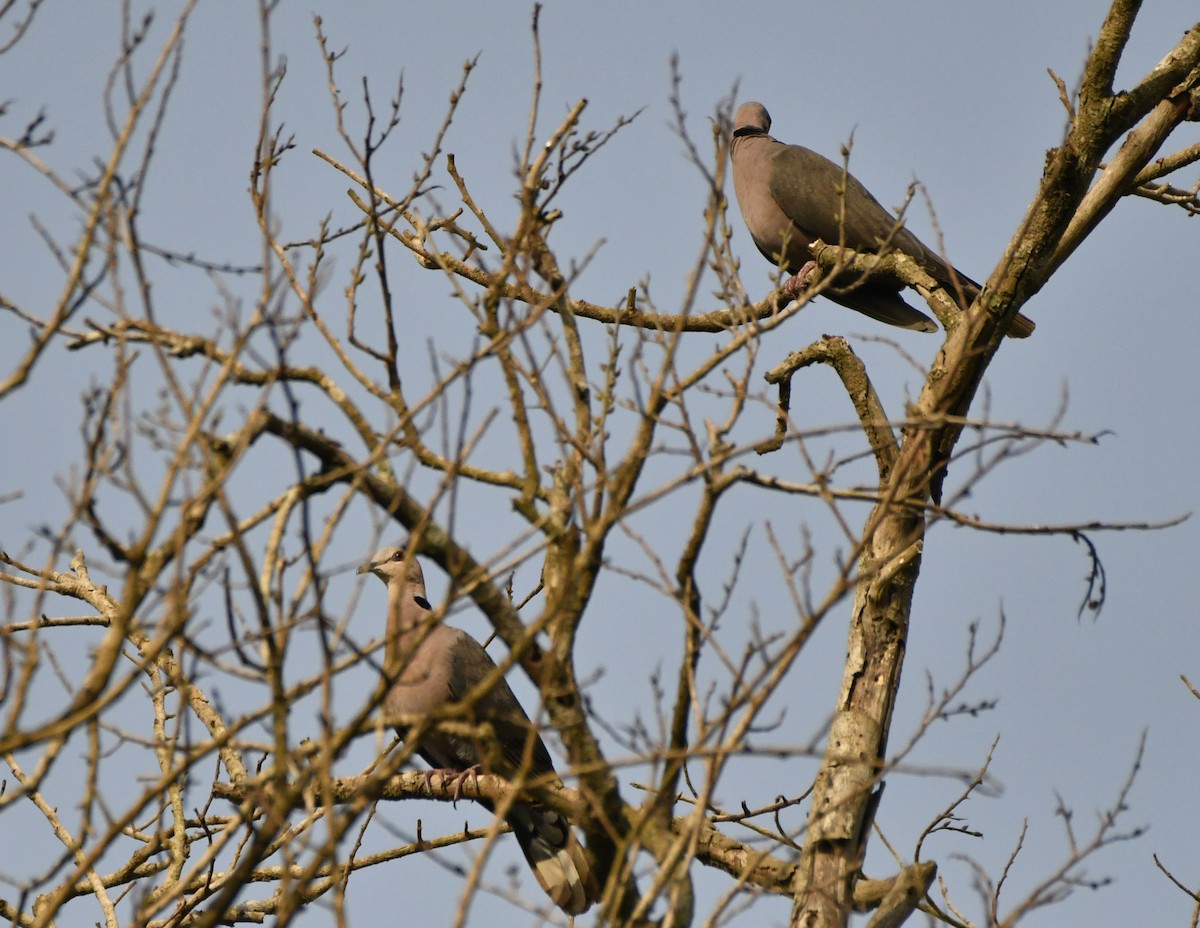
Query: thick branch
x=837, y=353
x=889, y=557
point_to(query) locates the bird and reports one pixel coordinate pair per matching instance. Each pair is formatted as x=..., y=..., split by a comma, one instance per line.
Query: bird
x=440, y=664
x=790, y=196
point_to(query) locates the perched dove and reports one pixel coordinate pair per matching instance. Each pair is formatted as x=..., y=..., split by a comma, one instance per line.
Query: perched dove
x=441, y=664
x=790, y=196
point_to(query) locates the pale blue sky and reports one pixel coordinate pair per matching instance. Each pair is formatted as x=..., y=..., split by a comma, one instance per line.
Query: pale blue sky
x=953, y=94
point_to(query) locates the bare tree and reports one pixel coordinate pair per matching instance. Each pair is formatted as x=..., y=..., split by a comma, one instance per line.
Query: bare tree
x=228, y=472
